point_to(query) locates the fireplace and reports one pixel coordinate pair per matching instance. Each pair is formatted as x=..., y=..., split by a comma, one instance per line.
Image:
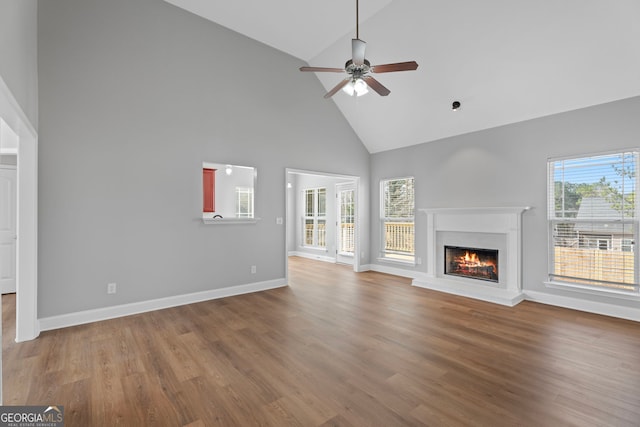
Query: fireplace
x=472, y=263
x=494, y=229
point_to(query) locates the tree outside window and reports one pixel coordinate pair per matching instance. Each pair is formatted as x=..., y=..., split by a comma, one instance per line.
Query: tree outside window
x=397, y=219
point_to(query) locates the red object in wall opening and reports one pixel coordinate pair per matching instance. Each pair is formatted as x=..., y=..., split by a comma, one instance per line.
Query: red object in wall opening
x=208, y=190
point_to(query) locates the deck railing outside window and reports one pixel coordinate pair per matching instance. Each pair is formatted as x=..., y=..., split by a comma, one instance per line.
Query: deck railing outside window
x=399, y=237
x=347, y=238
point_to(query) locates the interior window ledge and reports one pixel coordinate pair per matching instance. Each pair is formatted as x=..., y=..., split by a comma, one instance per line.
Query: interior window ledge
x=230, y=220
x=314, y=248
x=566, y=286
x=397, y=262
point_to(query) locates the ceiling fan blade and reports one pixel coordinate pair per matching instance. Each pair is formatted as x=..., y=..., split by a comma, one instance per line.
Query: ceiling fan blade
x=323, y=69
x=337, y=87
x=357, y=51
x=398, y=66
x=376, y=85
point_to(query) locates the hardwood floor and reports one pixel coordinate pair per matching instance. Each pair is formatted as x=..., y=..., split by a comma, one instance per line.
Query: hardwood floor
x=334, y=349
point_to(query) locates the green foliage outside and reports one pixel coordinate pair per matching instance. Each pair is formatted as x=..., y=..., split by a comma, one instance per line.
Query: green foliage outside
x=399, y=199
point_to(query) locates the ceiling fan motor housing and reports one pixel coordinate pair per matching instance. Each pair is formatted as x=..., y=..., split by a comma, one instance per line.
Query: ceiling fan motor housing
x=357, y=71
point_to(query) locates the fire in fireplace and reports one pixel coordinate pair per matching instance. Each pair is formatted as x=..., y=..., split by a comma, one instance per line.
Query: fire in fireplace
x=473, y=263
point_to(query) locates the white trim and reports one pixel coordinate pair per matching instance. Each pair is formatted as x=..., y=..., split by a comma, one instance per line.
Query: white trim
x=96, y=315
x=27, y=215
x=606, y=309
x=392, y=270
x=507, y=297
x=312, y=256
x=568, y=286
x=483, y=210
x=398, y=262
x=314, y=248
x=220, y=221
x=593, y=154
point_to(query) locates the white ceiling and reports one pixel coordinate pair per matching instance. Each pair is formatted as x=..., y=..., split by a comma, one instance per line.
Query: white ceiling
x=505, y=60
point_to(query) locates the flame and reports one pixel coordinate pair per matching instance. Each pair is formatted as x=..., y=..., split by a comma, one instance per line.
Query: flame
x=473, y=264
x=471, y=259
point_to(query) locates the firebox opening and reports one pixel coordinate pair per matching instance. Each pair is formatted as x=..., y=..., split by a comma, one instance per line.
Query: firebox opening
x=473, y=263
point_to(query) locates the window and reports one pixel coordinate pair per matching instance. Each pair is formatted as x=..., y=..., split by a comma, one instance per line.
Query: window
x=593, y=222
x=397, y=210
x=315, y=217
x=244, y=202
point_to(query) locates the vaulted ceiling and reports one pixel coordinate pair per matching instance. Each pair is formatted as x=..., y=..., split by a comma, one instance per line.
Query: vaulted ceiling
x=505, y=60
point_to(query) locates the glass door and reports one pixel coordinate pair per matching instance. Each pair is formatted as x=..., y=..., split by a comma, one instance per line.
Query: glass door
x=346, y=227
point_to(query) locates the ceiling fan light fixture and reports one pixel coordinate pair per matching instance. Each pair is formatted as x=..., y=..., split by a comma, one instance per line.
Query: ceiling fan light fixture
x=360, y=87
x=357, y=87
x=349, y=89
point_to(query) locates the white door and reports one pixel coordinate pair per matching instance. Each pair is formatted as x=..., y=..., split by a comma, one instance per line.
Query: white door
x=346, y=224
x=8, y=229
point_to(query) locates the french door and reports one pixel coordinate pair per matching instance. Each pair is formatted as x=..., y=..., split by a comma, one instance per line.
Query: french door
x=346, y=223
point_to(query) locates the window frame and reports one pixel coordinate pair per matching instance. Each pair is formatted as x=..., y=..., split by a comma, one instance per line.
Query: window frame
x=604, y=287
x=315, y=216
x=249, y=193
x=385, y=255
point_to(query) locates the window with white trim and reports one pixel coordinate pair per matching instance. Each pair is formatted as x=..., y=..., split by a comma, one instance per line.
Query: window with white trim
x=397, y=219
x=593, y=222
x=314, y=222
x=244, y=202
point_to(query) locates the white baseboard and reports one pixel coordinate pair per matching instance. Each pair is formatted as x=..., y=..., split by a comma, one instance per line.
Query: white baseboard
x=613, y=310
x=89, y=316
x=323, y=258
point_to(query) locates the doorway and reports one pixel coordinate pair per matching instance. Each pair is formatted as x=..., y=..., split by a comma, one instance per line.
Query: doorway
x=8, y=231
x=305, y=190
x=12, y=116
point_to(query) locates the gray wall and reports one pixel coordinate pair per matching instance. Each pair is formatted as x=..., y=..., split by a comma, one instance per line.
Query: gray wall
x=134, y=96
x=18, y=53
x=505, y=166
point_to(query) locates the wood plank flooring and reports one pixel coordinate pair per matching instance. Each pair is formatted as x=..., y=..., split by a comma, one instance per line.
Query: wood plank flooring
x=334, y=348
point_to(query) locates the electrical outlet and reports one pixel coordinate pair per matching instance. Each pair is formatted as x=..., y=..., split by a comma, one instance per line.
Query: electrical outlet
x=111, y=288
x=253, y=269
x=279, y=220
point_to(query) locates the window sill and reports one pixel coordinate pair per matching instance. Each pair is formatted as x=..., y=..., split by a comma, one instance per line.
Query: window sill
x=573, y=287
x=346, y=254
x=218, y=221
x=405, y=263
x=314, y=248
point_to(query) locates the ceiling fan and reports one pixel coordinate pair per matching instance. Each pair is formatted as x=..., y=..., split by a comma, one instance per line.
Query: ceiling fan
x=359, y=70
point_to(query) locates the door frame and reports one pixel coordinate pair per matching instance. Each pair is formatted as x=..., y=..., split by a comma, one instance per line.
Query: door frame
x=12, y=171
x=356, y=183
x=27, y=215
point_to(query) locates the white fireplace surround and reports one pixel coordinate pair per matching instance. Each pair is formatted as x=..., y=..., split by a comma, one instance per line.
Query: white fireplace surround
x=492, y=228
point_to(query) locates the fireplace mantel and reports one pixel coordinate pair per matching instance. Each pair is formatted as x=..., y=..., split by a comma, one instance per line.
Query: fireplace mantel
x=483, y=210
x=503, y=222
